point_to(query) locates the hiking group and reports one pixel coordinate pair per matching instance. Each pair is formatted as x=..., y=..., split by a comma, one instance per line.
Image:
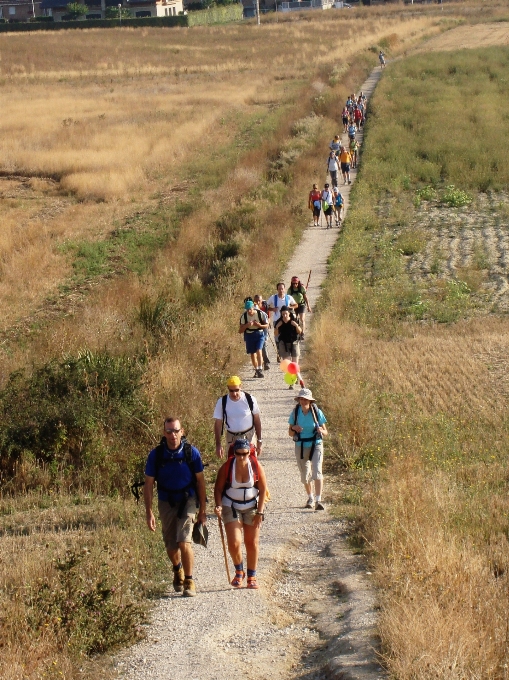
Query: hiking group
x=240, y=489
x=340, y=159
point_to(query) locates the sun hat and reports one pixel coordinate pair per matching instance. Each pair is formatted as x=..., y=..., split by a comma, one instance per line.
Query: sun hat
x=305, y=394
x=248, y=304
x=241, y=444
x=200, y=534
x=234, y=381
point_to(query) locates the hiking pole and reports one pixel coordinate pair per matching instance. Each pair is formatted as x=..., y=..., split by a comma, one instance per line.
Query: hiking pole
x=309, y=279
x=224, y=550
x=278, y=358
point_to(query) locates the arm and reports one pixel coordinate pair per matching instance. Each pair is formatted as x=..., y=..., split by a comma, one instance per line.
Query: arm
x=218, y=489
x=202, y=498
x=304, y=295
x=294, y=429
x=299, y=329
x=218, y=426
x=148, y=495
x=258, y=430
x=262, y=488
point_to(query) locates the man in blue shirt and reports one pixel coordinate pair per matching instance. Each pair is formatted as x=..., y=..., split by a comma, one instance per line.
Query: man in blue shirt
x=178, y=469
x=307, y=427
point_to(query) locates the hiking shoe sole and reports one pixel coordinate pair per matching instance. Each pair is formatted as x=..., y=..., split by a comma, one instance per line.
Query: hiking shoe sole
x=320, y=506
x=310, y=505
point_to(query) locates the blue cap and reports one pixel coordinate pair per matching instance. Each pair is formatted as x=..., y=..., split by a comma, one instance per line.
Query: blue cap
x=241, y=444
x=249, y=304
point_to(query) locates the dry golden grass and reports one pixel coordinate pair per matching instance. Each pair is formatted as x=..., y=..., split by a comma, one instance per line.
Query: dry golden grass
x=464, y=37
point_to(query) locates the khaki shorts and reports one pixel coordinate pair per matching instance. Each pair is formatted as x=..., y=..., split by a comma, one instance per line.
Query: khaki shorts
x=310, y=469
x=231, y=437
x=177, y=530
x=243, y=516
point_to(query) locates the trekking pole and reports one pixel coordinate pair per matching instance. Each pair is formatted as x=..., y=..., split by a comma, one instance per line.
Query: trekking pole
x=309, y=279
x=224, y=550
x=278, y=358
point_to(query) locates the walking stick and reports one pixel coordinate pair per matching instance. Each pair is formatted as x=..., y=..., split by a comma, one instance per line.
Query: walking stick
x=278, y=358
x=309, y=279
x=224, y=550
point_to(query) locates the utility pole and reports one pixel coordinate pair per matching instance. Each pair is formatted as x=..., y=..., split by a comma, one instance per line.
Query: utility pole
x=258, y=12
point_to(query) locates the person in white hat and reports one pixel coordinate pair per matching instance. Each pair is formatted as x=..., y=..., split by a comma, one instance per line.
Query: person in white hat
x=307, y=427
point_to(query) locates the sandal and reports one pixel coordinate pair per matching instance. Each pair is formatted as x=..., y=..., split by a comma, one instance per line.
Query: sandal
x=251, y=583
x=238, y=578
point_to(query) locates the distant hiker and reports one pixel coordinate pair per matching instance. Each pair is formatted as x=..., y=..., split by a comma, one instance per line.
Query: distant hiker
x=327, y=202
x=346, y=160
x=278, y=300
x=339, y=203
x=260, y=303
x=345, y=118
x=299, y=294
x=239, y=412
x=307, y=427
x=381, y=58
x=335, y=145
x=315, y=203
x=239, y=495
x=354, y=151
x=352, y=131
x=286, y=333
x=332, y=168
x=253, y=322
x=357, y=115
x=177, y=468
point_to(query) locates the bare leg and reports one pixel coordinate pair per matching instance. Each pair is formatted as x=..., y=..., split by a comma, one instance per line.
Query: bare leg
x=234, y=538
x=302, y=319
x=185, y=554
x=251, y=541
x=318, y=487
x=254, y=360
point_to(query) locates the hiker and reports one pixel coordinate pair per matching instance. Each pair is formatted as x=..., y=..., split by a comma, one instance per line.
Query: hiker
x=332, y=168
x=335, y=145
x=299, y=294
x=381, y=58
x=240, y=413
x=357, y=116
x=286, y=333
x=345, y=159
x=352, y=131
x=339, y=203
x=307, y=427
x=278, y=300
x=177, y=468
x=345, y=118
x=239, y=495
x=315, y=203
x=327, y=202
x=354, y=151
x=252, y=324
x=260, y=303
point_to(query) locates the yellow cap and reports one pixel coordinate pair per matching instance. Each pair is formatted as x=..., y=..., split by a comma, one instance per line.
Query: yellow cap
x=234, y=381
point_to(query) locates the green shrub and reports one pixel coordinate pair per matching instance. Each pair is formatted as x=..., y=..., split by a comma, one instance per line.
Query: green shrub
x=455, y=198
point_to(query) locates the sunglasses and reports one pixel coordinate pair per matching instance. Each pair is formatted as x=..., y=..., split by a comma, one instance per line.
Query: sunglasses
x=241, y=453
x=237, y=390
x=172, y=430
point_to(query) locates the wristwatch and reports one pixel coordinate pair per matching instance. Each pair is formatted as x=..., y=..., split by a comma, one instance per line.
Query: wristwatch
x=262, y=514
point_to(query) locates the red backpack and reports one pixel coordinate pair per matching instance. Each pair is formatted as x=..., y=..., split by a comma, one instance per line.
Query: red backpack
x=254, y=464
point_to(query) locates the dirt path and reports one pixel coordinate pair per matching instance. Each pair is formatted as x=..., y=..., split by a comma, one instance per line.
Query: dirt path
x=313, y=616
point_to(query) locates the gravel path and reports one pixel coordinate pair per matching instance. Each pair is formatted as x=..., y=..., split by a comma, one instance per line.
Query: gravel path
x=313, y=616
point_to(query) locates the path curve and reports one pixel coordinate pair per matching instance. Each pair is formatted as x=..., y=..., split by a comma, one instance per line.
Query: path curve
x=313, y=616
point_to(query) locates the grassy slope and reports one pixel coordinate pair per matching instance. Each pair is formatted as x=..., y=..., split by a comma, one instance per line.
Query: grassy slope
x=419, y=409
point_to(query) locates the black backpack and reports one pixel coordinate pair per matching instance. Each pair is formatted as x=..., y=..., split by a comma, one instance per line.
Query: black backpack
x=249, y=400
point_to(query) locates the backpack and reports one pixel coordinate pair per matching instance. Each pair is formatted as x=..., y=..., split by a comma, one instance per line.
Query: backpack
x=314, y=411
x=249, y=400
x=287, y=298
x=339, y=200
x=260, y=317
x=231, y=452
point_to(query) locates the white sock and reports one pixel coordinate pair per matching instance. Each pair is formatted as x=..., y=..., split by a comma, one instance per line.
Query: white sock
x=310, y=497
x=318, y=499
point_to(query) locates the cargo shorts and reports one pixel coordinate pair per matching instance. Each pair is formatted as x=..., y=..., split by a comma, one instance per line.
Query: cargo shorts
x=310, y=470
x=177, y=530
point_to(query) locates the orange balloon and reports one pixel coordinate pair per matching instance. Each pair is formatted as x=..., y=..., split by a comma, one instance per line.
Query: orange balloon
x=283, y=365
x=293, y=368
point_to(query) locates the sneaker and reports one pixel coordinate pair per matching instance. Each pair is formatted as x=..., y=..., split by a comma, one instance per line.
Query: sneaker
x=260, y=373
x=310, y=505
x=349, y=181
x=320, y=506
x=178, y=580
x=266, y=367
x=189, y=588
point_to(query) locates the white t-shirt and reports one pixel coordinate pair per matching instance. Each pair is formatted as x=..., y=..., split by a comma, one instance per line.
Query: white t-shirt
x=238, y=413
x=277, y=302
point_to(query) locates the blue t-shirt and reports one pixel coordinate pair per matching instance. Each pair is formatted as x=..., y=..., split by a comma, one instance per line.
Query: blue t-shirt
x=174, y=477
x=307, y=422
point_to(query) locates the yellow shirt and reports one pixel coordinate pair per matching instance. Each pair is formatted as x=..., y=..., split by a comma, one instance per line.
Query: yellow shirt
x=345, y=157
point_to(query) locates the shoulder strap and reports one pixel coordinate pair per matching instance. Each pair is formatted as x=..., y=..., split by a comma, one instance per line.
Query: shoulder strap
x=229, y=473
x=275, y=300
x=256, y=468
x=159, y=457
x=188, y=456
x=296, y=414
x=250, y=403
x=260, y=318
x=225, y=419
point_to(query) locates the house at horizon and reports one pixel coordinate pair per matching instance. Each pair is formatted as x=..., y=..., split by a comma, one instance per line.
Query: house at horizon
x=97, y=8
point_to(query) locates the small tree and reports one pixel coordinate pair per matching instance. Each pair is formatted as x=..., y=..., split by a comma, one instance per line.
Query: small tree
x=112, y=13
x=76, y=10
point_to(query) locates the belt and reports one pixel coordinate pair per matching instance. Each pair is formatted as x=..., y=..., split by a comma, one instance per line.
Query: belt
x=237, y=433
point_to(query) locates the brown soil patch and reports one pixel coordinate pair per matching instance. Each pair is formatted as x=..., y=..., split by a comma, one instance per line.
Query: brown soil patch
x=469, y=37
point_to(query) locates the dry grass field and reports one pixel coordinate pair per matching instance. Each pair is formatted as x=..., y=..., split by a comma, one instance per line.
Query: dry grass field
x=410, y=355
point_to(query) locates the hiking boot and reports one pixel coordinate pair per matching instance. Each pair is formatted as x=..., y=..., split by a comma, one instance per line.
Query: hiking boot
x=189, y=588
x=266, y=367
x=259, y=373
x=178, y=580
x=320, y=506
x=310, y=505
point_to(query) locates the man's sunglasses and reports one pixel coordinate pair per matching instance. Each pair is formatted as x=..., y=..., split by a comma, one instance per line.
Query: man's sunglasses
x=237, y=390
x=172, y=430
